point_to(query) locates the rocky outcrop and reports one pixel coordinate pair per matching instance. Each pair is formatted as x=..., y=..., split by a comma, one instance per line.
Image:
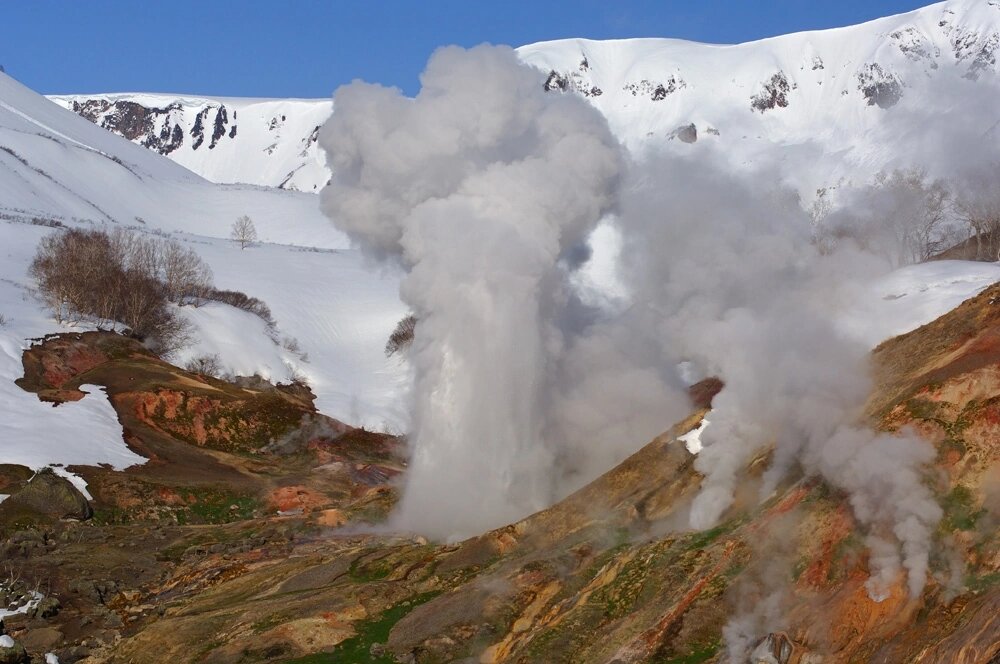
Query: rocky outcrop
x=774, y=95
x=655, y=90
x=879, y=86
x=48, y=495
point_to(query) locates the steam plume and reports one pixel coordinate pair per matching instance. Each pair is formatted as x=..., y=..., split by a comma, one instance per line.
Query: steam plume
x=482, y=188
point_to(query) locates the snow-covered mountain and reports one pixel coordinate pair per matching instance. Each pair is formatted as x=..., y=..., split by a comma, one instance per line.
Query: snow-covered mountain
x=823, y=104
x=270, y=142
x=819, y=106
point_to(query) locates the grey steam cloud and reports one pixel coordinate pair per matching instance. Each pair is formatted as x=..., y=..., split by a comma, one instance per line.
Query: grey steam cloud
x=484, y=188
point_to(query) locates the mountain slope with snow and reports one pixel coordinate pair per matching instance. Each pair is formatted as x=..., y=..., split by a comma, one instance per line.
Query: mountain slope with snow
x=269, y=142
x=59, y=170
x=820, y=107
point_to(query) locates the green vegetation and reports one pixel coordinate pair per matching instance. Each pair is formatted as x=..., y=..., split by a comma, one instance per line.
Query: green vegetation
x=698, y=654
x=980, y=583
x=367, y=572
x=960, y=512
x=216, y=506
x=358, y=648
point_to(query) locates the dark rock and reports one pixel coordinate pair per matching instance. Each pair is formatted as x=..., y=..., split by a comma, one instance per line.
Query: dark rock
x=13, y=653
x=774, y=94
x=686, y=133
x=704, y=391
x=48, y=607
x=50, y=495
x=879, y=86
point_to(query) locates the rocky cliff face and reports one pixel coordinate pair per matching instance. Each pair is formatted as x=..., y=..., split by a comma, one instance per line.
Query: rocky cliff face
x=262, y=142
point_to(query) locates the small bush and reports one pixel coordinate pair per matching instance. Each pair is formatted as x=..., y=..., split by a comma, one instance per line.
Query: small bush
x=402, y=336
x=3, y=320
x=242, y=301
x=206, y=365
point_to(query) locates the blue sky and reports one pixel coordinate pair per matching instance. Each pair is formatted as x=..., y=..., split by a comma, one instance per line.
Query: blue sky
x=306, y=48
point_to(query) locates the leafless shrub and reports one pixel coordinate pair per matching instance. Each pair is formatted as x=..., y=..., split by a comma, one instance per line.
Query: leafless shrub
x=402, y=336
x=111, y=280
x=3, y=320
x=186, y=277
x=901, y=216
x=242, y=301
x=206, y=365
x=977, y=204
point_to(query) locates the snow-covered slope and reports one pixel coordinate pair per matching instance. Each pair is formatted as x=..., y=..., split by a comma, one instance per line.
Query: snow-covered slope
x=822, y=107
x=57, y=168
x=269, y=142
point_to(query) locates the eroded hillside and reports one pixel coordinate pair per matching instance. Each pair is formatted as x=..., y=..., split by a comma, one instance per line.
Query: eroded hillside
x=223, y=548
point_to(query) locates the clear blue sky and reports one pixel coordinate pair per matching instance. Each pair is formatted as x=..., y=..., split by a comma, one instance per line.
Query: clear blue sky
x=306, y=48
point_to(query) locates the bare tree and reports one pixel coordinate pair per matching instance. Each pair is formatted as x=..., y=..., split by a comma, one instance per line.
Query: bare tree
x=185, y=276
x=109, y=280
x=901, y=216
x=977, y=204
x=244, y=231
x=402, y=336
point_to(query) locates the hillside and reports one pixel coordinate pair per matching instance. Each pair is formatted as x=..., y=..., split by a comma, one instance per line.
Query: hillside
x=58, y=170
x=610, y=574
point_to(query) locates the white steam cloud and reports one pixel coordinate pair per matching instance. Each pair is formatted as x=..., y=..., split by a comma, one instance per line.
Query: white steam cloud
x=482, y=187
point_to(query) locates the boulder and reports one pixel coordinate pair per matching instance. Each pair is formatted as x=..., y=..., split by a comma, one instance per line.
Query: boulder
x=43, y=639
x=12, y=652
x=50, y=495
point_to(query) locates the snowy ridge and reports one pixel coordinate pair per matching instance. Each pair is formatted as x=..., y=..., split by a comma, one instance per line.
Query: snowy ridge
x=821, y=106
x=844, y=95
x=270, y=142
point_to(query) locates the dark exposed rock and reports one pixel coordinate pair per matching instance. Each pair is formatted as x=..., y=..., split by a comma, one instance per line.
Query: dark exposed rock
x=704, y=391
x=50, y=495
x=135, y=122
x=573, y=82
x=221, y=120
x=685, y=133
x=47, y=607
x=198, y=130
x=976, y=49
x=14, y=654
x=879, y=86
x=774, y=95
x=655, y=90
x=913, y=45
x=555, y=82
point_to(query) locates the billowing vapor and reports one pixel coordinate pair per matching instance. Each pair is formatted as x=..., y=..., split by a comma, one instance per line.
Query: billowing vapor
x=728, y=267
x=483, y=188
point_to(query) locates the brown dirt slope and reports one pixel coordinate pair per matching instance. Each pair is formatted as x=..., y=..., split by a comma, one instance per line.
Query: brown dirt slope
x=610, y=574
